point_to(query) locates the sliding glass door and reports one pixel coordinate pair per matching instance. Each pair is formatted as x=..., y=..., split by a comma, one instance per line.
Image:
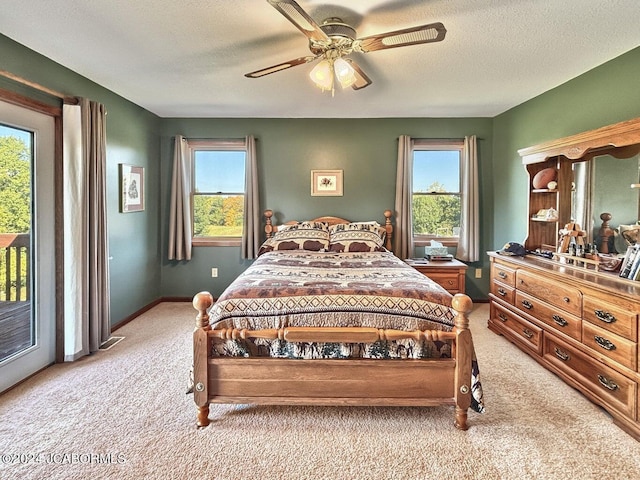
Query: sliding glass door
x=27, y=254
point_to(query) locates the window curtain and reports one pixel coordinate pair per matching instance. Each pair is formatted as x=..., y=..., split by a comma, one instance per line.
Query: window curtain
x=180, y=233
x=403, y=232
x=251, y=225
x=85, y=252
x=469, y=240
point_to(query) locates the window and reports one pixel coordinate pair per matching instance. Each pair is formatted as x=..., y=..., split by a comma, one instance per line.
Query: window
x=436, y=196
x=218, y=191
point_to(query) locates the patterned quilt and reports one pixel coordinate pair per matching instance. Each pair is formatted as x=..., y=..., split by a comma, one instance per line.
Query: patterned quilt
x=304, y=288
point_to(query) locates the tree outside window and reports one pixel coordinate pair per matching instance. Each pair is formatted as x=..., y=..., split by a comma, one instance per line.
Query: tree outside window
x=218, y=191
x=436, y=193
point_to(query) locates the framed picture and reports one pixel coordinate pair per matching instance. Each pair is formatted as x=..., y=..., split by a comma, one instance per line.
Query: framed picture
x=326, y=182
x=131, y=188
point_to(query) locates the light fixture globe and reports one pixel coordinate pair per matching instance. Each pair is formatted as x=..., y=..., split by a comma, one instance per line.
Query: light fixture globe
x=322, y=75
x=345, y=73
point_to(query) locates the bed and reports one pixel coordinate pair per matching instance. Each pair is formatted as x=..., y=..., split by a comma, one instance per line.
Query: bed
x=327, y=315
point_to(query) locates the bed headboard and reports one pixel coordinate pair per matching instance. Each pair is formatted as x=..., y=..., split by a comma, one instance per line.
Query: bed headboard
x=270, y=229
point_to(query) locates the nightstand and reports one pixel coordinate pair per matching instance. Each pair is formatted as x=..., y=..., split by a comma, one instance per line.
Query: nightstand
x=449, y=274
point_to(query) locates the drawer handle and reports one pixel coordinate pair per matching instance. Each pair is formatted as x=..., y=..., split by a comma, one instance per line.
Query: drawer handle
x=561, y=355
x=606, y=317
x=527, y=333
x=566, y=299
x=501, y=292
x=502, y=275
x=606, y=383
x=604, y=343
x=502, y=317
x=560, y=321
x=527, y=305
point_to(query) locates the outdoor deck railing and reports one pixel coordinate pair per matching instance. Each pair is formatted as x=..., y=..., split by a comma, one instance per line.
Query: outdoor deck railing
x=14, y=267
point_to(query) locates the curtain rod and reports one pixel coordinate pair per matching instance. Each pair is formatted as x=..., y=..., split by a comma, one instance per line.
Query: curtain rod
x=23, y=81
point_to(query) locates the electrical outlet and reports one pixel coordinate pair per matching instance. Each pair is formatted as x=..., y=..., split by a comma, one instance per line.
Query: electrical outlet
x=214, y=272
x=478, y=273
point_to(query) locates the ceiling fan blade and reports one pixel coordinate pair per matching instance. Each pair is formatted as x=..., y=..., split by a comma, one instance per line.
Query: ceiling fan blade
x=433, y=32
x=362, y=80
x=281, y=66
x=300, y=19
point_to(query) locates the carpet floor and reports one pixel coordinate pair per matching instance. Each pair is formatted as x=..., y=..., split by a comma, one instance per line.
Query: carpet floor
x=123, y=413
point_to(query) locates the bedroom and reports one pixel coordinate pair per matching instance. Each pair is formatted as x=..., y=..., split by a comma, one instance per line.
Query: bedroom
x=141, y=138
x=290, y=148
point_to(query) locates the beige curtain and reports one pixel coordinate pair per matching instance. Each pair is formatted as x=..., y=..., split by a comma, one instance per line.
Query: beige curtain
x=469, y=241
x=403, y=232
x=180, y=233
x=251, y=227
x=85, y=252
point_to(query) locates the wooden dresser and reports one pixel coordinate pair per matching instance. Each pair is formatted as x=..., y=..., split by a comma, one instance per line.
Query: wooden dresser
x=581, y=325
x=449, y=274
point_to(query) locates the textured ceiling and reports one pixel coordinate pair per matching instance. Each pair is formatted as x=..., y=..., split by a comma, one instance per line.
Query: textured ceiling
x=188, y=58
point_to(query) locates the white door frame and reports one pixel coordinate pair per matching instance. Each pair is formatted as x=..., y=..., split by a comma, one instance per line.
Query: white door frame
x=42, y=353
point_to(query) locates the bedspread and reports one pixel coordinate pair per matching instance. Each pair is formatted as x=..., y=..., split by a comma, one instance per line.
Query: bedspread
x=303, y=288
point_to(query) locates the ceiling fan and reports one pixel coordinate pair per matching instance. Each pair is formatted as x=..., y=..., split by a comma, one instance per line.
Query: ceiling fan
x=333, y=40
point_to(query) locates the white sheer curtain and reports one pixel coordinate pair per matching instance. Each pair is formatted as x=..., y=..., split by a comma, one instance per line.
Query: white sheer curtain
x=180, y=230
x=403, y=233
x=251, y=226
x=469, y=240
x=85, y=265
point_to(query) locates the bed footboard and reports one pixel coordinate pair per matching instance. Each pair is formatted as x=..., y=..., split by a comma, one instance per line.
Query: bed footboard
x=427, y=382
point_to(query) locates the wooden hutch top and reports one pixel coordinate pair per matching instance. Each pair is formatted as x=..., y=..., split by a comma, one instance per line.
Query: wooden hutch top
x=619, y=140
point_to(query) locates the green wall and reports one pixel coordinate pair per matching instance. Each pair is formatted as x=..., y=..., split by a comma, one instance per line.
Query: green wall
x=132, y=137
x=288, y=149
x=607, y=94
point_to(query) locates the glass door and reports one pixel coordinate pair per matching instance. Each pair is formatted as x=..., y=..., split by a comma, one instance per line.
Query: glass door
x=27, y=254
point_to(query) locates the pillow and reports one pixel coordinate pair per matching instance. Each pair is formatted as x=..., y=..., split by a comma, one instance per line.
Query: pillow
x=357, y=237
x=313, y=236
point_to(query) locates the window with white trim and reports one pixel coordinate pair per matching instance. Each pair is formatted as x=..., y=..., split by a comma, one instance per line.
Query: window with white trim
x=436, y=196
x=218, y=190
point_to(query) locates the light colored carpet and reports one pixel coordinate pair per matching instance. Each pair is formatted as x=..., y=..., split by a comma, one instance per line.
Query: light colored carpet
x=129, y=402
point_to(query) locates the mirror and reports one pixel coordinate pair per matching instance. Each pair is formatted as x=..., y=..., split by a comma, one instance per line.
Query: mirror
x=603, y=184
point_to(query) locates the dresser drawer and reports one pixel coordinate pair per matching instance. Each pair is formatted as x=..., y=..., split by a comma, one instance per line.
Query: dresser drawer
x=613, y=346
x=554, y=317
x=503, y=274
x=610, y=386
x=524, y=332
x=620, y=319
x=567, y=298
x=504, y=292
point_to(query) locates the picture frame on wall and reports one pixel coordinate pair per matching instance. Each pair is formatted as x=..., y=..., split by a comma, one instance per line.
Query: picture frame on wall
x=326, y=183
x=131, y=188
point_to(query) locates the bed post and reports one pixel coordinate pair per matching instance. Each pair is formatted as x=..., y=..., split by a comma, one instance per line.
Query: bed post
x=268, y=228
x=388, y=244
x=463, y=305
x=202, y=303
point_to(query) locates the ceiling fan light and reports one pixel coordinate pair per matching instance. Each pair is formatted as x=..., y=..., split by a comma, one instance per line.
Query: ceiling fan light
x=322, y=75
x=345, y=73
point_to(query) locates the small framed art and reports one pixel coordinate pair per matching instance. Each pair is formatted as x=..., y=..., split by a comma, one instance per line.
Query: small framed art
x=326, y=182
x=131, y=188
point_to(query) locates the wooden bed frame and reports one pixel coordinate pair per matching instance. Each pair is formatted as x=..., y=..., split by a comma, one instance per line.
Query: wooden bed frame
x=277, y=381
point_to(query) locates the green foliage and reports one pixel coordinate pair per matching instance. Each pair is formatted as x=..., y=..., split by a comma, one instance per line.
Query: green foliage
x=435, y=214
x=218, y=216
x=15, y=212
x=15, y=186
